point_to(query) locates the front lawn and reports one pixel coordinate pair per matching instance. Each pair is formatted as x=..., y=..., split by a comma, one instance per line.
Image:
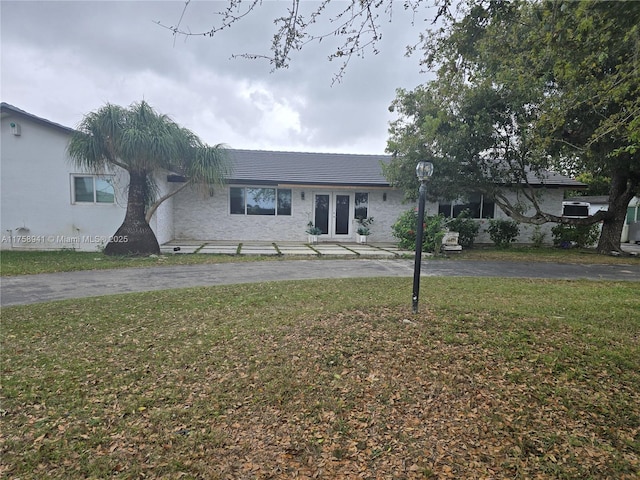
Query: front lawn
x=545, y=254
x=14, y=262
x=327, y=379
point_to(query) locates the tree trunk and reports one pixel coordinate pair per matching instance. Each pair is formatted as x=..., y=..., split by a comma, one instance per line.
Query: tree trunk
x=621, y=193
x=134, y=237
x=611, y=233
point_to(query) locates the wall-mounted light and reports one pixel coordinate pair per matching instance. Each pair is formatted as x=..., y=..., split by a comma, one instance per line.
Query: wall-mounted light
x=302, y=195
x=15, y=128
x=384, y=197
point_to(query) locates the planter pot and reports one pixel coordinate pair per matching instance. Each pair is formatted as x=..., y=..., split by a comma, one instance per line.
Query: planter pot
x=313, y=239
x=361, y=238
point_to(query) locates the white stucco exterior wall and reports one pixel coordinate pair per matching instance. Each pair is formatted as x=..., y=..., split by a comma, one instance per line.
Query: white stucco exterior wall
x=36, y=193
x=162, y=220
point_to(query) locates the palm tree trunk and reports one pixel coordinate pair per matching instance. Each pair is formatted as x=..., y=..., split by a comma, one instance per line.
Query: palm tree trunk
x=135, y=236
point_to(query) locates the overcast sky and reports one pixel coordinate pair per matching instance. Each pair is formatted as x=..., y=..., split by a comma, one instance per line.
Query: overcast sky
x=61, y=60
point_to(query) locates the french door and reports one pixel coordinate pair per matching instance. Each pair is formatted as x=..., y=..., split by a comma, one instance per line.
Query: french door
x=332, y=214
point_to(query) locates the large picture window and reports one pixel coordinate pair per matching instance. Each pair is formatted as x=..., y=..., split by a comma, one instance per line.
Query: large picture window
x=260, y=201
x=93, y=189
x=477, y=205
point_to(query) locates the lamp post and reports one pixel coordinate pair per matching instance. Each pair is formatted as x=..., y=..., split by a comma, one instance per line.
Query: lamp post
x=424, y=170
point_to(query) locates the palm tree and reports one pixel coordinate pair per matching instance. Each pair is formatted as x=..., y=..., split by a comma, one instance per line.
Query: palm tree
x=143, y=142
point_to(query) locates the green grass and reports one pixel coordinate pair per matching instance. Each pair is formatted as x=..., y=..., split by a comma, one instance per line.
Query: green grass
x=26, y=262
x=545, y=254
x=338, y=379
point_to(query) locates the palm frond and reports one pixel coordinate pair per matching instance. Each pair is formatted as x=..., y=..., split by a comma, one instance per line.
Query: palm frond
x=209, y=167
x=94, y=145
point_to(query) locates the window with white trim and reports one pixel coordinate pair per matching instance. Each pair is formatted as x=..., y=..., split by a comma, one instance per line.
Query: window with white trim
x=92, y=189
x=260, y=201
x=478, y=206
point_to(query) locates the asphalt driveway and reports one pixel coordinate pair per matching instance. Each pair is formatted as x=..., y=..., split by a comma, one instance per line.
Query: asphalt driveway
x=30, y=289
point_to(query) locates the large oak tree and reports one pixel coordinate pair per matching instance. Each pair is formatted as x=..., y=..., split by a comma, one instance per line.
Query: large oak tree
x=523, y=87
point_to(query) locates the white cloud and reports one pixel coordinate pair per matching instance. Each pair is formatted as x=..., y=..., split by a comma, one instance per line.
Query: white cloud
x=61, y=60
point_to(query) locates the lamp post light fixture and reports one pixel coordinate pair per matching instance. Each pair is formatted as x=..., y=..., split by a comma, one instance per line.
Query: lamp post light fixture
x=424, y=170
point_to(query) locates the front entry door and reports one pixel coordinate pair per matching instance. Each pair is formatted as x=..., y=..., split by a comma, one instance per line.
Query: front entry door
x=332, y=214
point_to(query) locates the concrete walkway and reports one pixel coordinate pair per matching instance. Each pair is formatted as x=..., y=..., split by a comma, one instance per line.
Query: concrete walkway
x=298, y=249
x=337, y=249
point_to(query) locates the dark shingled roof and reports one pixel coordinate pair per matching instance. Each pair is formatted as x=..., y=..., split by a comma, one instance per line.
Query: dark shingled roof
x=263, y=167
x=553, y=180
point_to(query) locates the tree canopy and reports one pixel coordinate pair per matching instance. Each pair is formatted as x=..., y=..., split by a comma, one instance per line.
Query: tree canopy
x=145, y=144
x=523, y=87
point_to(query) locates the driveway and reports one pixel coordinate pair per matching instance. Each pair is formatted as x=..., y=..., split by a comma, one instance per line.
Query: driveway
x=30, y=289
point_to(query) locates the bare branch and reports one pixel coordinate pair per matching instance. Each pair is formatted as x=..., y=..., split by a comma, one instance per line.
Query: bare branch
x=227, y=15
x=357, y=24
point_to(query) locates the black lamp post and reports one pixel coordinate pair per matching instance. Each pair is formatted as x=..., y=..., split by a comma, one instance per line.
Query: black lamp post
x=424, y=170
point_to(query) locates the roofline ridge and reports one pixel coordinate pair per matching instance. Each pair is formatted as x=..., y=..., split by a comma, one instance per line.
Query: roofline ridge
x=19, y=111
x=291, y=152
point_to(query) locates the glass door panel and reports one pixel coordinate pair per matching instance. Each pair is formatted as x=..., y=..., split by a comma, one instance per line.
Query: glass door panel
x=342, y=218
x=332, y=214
x=321, y=217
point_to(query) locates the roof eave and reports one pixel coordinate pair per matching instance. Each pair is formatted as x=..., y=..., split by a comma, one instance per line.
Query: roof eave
x=43, y=121
x=297, y=183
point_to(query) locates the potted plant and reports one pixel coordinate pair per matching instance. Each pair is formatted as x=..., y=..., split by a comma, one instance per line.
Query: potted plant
x=314, y=232
x=363, y=228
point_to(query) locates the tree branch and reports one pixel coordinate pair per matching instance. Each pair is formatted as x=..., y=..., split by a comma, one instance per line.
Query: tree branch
x=357, y=24
x=540, y=216
x=154, y=206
